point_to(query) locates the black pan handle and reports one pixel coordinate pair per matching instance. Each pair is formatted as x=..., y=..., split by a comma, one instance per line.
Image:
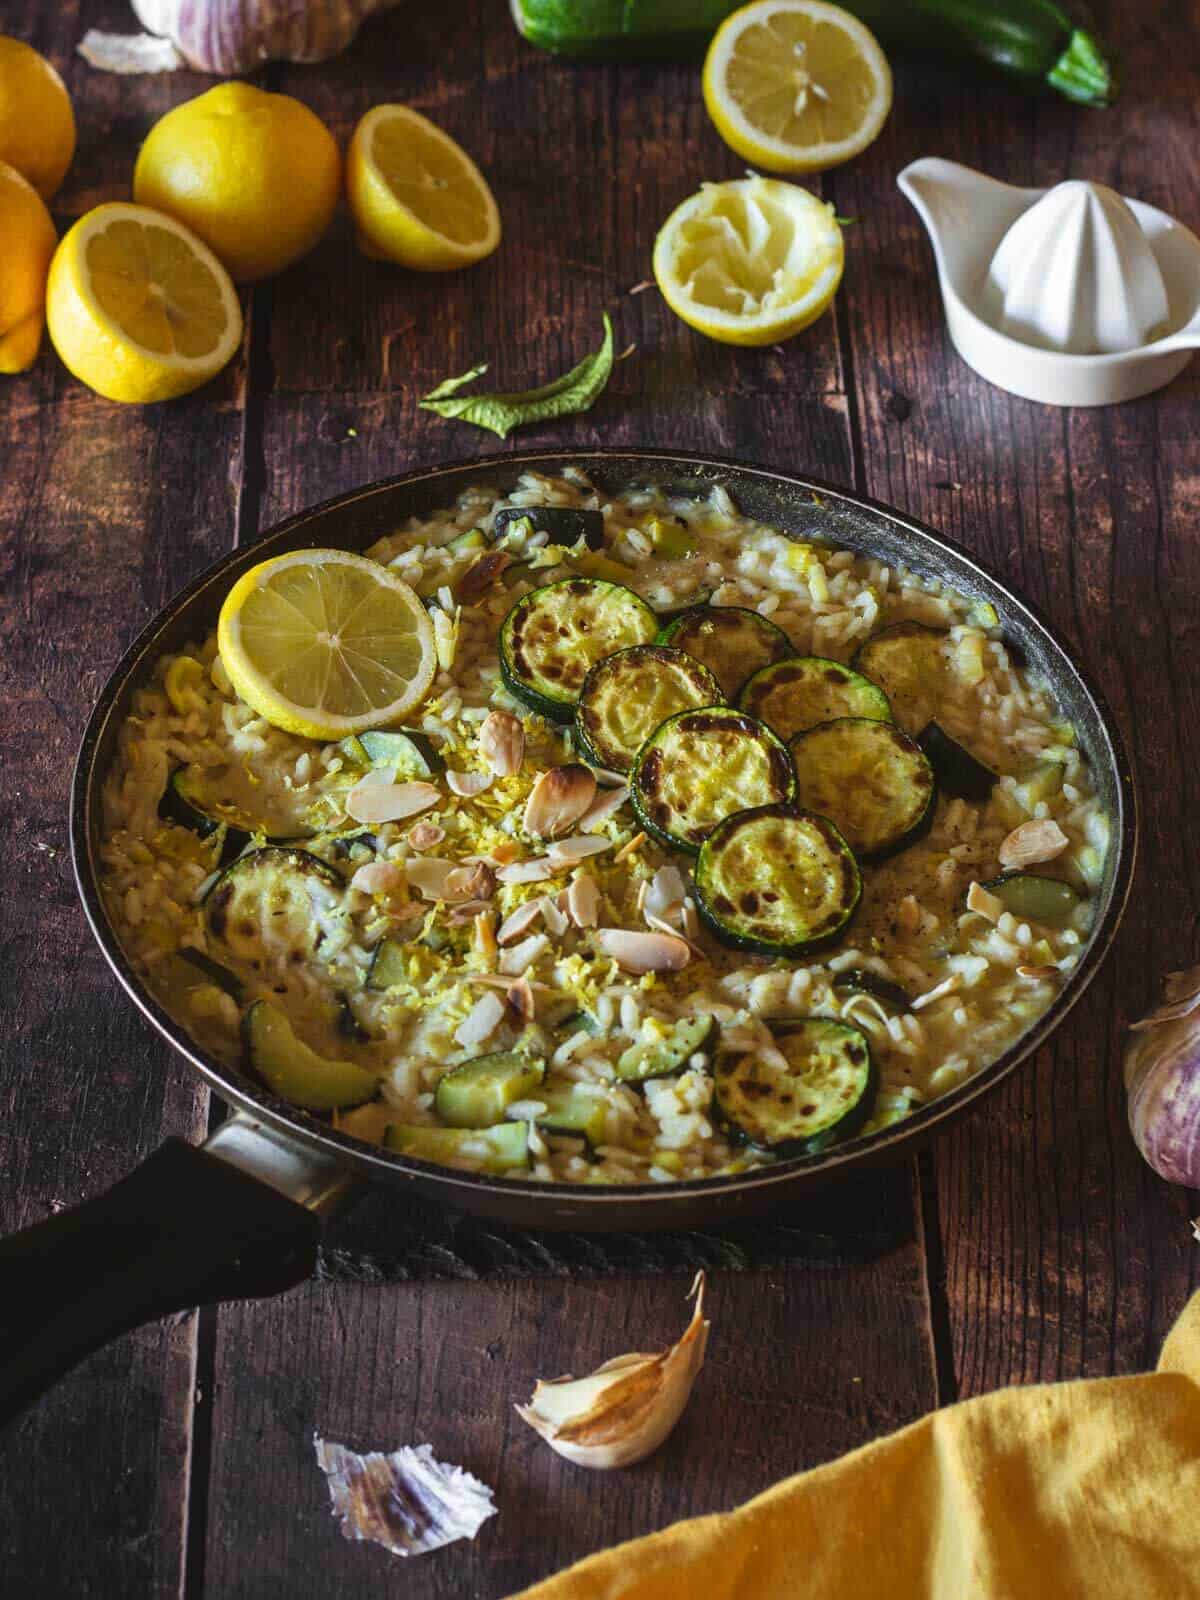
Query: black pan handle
x=183, y=1229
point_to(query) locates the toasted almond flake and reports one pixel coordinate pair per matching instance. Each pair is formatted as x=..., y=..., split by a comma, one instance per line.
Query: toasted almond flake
x=628, y=848
x=606, y=803
x=502, y=743
x=987, y=905
x=493, y=980
x=476, y=882
x=661, y=925
x=554, y=918
x=1032, y=843
x=908, y=914
x=425, y=835
x=531, y=871
x=938, y=992
x=565, y=852
x=465, y=911
x=468, y=784
x=480, y=1022
x=1038, y=974
x=583, y=901
x=485, y=935
x=381, y=877
x=482, y=574
x=516, y=960
x=608, y=779
x=520, y=1001
x=372, y=801
x=519, y=921
x=691, y=919
x=664, y=894
x=643, y=952
x=428, y=876
x=557, y=801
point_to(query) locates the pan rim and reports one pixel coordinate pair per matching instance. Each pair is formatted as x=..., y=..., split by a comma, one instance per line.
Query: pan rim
x=887, y=1143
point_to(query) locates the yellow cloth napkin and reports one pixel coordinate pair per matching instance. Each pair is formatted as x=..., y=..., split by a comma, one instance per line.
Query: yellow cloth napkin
x=1088, y=1489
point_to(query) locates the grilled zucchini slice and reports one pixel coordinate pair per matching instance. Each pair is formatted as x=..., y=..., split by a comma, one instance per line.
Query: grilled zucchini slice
x=491, y=1149
x=870, y=779
x=479, y=1092
x=563, y=524
x=554, y=635
x=1034, y=898
x=296, y=1073
x=823, y=1095
x=276, y=900
x=701, y=766
x=409, y=753
x=574, y=1110
x=801, y=691
x=389, y=965
x=629, y=694
x=199, y=800
x=731, y=641
x=957, y=771
x=777, y=881
x=663, y=1058
x=908, y=662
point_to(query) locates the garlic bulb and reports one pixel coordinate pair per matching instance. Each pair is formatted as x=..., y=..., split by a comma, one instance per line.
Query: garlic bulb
x=229, y=36
x=624, y=1410
x=1162, y=1078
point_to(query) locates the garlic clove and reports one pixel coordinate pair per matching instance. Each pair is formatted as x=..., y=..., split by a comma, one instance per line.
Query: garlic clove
x=623, y=1411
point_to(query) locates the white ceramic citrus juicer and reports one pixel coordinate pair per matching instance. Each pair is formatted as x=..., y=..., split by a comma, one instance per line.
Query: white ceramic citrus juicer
x=1072, y=296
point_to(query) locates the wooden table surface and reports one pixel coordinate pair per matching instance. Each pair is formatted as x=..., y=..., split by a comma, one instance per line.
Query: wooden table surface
x=1038, y=1246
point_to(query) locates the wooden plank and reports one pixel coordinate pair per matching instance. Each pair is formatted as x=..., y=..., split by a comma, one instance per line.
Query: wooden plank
x=104, y=512
x=1064, y=1255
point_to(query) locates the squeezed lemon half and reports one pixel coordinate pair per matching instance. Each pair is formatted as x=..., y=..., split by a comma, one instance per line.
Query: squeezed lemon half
x=750, y=262
x=417, y=197
x=324, y=643
x=796, y=85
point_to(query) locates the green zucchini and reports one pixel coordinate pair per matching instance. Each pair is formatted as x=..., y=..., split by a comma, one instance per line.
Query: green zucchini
x=732, y=642
x=823, y=1095
x=663, y=1058
x=493, y=1150
x=554, y=635
x=777, y=881
x=870, y=779
x=574, y=1110
x=389, y=965
x=409, y=753
x=1037, y=43
x=701, y=766
x=801, y=691
x=466, y=543
x=908, y=662
x=294, y=1072
x=860, y=980
x=273, y=899
x=564, y=525
x=213, y=971
x=477, y=1093
x=1033, y=898
x=630, y=693
x=957, y=771
x=194, y=800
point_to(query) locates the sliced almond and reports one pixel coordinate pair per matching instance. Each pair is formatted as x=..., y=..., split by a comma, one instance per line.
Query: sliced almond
x=428, y=876
x=477, y=882
x=519, y=922
x=565, y=852
x=519, y=1000
x=531, y=871
x=583, y=901
x=1032, y=843
x=425, y=835
x=482, y=574
x=643, y=952
x=664, y=890
x=480, y=1022
x=485, y=935
x=518, y=958
x=661, y=925
x=502, y=743
x=468, y=784
x=464, y=911
x=380, y=877
x=1038, y=974
x=554, y=918
x=987, y=904
x=606, y=803
x=371, y=801
x=557, y=801
x=630, y=847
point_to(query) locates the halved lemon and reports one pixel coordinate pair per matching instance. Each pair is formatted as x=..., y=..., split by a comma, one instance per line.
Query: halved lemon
x=138, y=308
x=324, y=643
x=417, y=197
x=796, y=85
x=750, y=262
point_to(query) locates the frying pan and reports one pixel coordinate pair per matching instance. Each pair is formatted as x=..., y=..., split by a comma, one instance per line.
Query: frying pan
x=239, y=1217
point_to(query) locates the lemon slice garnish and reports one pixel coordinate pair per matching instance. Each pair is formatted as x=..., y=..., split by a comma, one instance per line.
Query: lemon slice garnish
x=796, y=85
x=749, y=262
x=417, y=197
x=138, y=308
x=323, y=643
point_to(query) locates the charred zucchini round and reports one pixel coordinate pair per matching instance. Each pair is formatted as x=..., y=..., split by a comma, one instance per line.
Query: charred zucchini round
x=802, y=691
x=870, y=779
x=821, y=1091
x=273, y=903
x=196, y=800
x=777, y=881
x=731, y=641
x=908, y=662
x=663, y=1058
x=295, y=1072
x=562, y=524
x=632, y=692
x=554, y=635
x=701, y=766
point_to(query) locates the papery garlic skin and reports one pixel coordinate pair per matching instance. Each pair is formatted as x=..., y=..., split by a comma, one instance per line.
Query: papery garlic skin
x=623, y=1411
x=1162, y=1079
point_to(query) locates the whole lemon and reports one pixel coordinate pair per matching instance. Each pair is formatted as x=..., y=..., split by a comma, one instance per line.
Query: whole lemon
x=255, y=175
x=29, y=240
x=37, y=125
